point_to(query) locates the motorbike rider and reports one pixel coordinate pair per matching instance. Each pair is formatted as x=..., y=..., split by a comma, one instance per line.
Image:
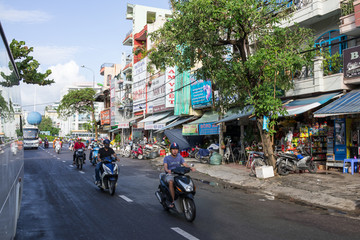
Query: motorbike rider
x=171, y=162
x=93, y=144
x=104, y=152
x=78, y=145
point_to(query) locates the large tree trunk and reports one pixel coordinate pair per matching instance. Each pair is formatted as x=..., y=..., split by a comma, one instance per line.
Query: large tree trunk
x=267, y=143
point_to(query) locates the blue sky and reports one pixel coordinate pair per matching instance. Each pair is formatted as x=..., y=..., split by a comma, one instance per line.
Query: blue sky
x=66, y=35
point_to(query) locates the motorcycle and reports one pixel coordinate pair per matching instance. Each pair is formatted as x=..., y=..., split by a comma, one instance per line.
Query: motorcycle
x=192, y=151
x=95, y=151
x=46, y=144
x=137, y=152
x=79, y=158
x=109, y=173
x=290, y=162
x=184, y=193
x=57, y=147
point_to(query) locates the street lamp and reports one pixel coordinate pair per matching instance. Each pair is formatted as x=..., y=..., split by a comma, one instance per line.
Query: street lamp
x=83, y=66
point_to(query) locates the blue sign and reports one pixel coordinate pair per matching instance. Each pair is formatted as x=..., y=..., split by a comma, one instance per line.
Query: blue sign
x=340, y=138
x=201, y=93
x=208, y=129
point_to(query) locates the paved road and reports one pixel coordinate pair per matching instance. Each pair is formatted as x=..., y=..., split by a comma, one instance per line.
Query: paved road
x=61, y=202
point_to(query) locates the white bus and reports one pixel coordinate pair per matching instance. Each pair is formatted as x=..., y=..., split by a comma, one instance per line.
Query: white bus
x=31, y=137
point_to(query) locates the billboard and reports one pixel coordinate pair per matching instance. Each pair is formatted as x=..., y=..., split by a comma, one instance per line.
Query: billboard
x=201, y=93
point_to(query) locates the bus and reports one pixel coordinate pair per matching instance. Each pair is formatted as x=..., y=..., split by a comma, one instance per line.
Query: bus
x=11, y=152
x=31, y=137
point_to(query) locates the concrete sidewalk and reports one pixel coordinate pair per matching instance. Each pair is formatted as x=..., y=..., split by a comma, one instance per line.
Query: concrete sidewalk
x=325, y=189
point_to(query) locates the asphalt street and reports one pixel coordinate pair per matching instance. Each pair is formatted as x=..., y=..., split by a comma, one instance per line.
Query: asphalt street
x=62, y=202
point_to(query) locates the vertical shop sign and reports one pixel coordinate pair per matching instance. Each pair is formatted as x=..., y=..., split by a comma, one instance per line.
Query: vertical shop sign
x=170, y=87
x=201, y=93
x=158, y=93
x=105, y=117
x=340, y=138
x=139, y=84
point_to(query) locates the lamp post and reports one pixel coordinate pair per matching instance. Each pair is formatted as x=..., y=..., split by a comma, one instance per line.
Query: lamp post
x=83, y=66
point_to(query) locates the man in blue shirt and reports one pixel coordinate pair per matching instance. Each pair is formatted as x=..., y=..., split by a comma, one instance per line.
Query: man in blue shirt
x=171, y=162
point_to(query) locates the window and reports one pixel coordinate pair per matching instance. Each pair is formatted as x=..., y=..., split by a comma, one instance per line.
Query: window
x=332, y=37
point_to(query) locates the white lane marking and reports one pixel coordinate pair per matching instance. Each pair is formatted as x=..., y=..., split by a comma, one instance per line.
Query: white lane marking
x=63, y=161
x=71, y=165
x=184, y=234
x=58, y=158
x=126, y=198
x=81, y=172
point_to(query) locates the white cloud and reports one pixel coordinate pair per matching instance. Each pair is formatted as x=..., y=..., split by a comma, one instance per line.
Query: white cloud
x=27, y=16
x=63, y=74
x=51, y=55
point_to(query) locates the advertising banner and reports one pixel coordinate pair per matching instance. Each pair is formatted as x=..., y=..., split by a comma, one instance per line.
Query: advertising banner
x=153, y=126
x=170, y=87
x=208, y=129
x=105, y=117
x=123, y=125
x=139, y=82
x=201, y=93
x=156, y=93
x=190, y=129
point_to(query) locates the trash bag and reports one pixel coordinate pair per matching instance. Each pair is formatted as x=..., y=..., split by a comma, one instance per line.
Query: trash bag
x=215, y=159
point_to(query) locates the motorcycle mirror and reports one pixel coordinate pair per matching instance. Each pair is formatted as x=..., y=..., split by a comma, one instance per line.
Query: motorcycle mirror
x=192, y=165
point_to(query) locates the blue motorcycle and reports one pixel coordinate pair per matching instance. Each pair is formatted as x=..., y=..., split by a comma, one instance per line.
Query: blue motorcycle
x=95, y=152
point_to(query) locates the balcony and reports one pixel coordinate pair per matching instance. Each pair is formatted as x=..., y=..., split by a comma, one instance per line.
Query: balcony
x=350, y=17
x=127, y=68
x=141, y=36
x=128, y=39
x=307, y=12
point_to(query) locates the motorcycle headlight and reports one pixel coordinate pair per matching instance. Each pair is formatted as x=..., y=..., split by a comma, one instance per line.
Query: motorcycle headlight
x=188, y=187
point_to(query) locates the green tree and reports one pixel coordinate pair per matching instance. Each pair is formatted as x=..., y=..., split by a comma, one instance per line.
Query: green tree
x=240, y=47
x=79, y=101
x=47, y=125
x=27, y=67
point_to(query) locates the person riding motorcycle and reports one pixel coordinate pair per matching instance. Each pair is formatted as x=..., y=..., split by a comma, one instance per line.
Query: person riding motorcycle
x=171, y=162
x=104, y=152
x=78, y=145
x=93, y=144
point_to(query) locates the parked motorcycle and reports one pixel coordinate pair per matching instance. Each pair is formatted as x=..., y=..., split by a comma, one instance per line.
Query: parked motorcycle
x=79, y=158
x=192, y=151
x=57, y=147
x=95, y=152
x=184, y=193
x=137, y=151
x=109, y=173
x=290, y=162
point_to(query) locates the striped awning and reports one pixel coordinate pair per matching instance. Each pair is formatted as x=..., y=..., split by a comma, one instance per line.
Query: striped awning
x=347, y=104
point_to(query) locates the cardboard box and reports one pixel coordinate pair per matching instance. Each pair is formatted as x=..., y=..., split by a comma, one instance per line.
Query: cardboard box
x=264, y=172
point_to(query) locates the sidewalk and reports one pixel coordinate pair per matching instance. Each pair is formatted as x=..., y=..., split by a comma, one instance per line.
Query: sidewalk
x=325, y=189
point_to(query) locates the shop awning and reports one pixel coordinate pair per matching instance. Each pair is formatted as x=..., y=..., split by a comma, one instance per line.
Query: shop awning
x=168, y=119
x=208, y=117
x=132, y=120
x=114, y=130
x=155, y=117
x=299, y=106
x=246, y=112
x=347, y=104
x=177, y=123
x=175, y=135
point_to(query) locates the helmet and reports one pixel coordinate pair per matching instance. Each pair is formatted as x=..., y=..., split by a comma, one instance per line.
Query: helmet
x=79, y=139
x=106, y=141
x=174, y=145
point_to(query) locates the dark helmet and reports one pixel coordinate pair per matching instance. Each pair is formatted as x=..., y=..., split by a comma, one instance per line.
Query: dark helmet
x=174, y=145
x=106, y=142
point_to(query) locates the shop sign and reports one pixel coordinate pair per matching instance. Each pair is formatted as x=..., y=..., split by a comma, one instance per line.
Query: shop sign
x=351, y=62
x=139, y=81
x=105, y=117
x=170, y=87
x=140, y=125
x=201, y=93
x=156, y=91
x=191, y=129
x=153, y=126
x=123, y=125
x=107, y=128
x=209, y=129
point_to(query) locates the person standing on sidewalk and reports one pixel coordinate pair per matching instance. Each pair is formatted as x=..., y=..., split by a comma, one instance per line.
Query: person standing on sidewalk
x=171, y=162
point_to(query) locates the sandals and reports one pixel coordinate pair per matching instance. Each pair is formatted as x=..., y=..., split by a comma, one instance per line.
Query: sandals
x=171, y=205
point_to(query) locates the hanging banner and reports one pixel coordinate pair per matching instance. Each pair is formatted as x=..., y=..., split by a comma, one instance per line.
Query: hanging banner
x=139, y=83
x=170, y=87
x=190, y=129
x=123, y=125
x=105, y=117
x=201, y=93
x=209, y=129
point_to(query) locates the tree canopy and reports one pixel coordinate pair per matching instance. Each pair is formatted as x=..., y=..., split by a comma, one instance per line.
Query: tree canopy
x=78, y=101
x=47, y=125
x=27, y=67
x=239, y=46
